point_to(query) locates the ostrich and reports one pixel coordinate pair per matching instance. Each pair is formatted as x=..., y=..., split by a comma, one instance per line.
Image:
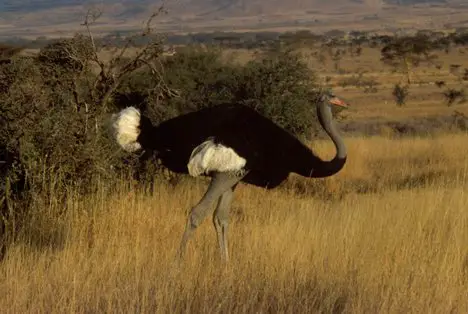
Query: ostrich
x=229, y=143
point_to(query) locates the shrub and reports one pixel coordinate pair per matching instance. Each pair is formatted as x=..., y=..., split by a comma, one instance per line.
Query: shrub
x=451, y=95
x=400, y=94
x=54, y=119
x=281, y=87
x=49, y=133
x=278, y=85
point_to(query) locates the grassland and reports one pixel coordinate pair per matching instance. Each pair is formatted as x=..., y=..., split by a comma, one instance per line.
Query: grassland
x=388, y=234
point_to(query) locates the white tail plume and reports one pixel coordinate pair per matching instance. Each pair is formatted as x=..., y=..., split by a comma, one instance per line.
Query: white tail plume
x=126, y=128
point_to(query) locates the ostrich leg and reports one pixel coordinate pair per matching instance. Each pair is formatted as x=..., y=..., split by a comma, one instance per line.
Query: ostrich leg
x=220, y=183
x=221, y=221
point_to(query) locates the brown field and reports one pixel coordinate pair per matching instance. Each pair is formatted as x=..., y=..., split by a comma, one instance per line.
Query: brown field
x=387, y=235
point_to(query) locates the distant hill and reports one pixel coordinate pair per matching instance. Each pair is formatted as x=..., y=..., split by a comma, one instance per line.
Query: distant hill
x=128, y=7
x=410, y=2
x=34, y=17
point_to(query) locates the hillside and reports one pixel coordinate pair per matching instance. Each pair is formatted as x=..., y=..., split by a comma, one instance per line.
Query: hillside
x=15, y=6
x=33, y=18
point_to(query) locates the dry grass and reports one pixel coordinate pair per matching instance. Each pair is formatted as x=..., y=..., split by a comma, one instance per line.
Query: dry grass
x=392, y=248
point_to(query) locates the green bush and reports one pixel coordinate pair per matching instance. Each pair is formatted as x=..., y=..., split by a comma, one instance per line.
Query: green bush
x=202, y=78
x=53, y=131
x=279, y=85
x=282, y=88
x=51, y=124
x=48, y=132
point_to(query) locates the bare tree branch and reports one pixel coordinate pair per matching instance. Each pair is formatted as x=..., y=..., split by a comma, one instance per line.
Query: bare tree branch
x=91, y=17
x=147, y=30
x=112, y=72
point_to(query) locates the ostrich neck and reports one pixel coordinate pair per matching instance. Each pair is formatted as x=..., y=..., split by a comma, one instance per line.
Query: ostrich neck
x=314, y=167
x=325, y=116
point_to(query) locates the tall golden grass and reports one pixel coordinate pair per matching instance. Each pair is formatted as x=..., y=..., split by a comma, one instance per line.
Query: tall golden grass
x=387, y=235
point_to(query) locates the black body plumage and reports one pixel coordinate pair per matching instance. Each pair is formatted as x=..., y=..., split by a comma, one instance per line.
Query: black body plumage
x=270, y=151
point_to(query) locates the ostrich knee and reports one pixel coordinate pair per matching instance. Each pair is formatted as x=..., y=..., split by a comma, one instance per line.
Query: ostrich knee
x=221, y=188
x=195, y=218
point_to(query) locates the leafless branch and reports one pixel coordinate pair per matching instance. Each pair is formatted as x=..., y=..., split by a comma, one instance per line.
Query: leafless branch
x=147, y=30
x=161, y=10
x=160, y=79
x=91, y=17
x=74, y=56
x=112, y=72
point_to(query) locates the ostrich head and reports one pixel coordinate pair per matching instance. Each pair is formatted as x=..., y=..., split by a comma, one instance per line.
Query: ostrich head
x=329, y=98
x=326, y=103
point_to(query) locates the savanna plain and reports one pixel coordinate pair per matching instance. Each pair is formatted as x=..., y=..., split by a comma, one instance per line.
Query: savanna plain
x=388, y=234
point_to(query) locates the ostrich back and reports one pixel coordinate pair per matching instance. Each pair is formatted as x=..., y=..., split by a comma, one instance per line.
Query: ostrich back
x=271, y=152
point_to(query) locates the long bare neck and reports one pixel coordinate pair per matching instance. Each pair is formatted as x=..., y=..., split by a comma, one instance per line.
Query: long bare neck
x=314, y=167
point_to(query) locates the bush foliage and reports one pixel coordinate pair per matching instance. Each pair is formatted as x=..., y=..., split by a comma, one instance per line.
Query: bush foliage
x=280, y=86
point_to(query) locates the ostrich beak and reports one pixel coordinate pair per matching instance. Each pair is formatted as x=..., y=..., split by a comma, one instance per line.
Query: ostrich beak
x=339, y=102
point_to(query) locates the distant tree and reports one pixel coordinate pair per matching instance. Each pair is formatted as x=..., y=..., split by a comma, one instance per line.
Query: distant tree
x=406, y=53
x=460, y=37
x=356, y=40
x=334, y=51
x=400, y=94
x=336, y=57
x=440, y=83
x=354, y=49
x=452, y=95
x=335, y=33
